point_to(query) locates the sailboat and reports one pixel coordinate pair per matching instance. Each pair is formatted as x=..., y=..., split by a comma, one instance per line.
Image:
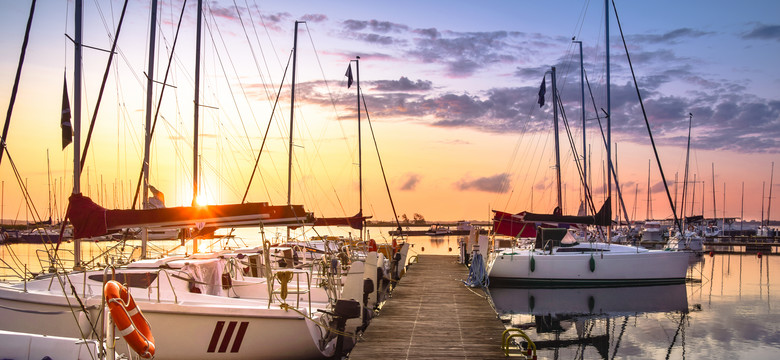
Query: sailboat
x=195, y=309
x=557, y=259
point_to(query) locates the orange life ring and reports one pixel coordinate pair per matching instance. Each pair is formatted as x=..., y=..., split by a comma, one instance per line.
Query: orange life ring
x=129, y=320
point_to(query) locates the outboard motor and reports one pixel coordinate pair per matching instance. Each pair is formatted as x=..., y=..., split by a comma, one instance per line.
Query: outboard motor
x=368, y=288
x=344, y=310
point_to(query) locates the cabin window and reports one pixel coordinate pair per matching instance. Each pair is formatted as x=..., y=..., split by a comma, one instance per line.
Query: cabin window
x=580, y=250
x=134, y=279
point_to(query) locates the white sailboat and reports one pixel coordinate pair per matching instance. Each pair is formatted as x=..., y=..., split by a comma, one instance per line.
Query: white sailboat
x=557, y=259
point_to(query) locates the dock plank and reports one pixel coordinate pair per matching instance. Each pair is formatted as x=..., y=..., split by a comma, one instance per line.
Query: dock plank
x=433, y=315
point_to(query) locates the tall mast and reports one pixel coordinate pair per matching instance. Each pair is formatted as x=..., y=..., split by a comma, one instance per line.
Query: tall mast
x=196, y=106
x=79, y=13
x=582, y=106
x=609, y=113
x=360, y=145
x=148, y=124
x=557, y=149
x=292, y=116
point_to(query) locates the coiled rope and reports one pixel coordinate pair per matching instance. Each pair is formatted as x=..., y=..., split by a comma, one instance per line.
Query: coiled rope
x=478, y=276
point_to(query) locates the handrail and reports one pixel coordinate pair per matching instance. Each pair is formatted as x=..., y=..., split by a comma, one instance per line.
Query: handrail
x=167, y=276
x=510, y=333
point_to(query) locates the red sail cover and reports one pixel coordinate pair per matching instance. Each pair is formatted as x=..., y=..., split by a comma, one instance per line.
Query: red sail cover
x=512, y=225
x=355, y=222
x=90, y=219
x=519, y=224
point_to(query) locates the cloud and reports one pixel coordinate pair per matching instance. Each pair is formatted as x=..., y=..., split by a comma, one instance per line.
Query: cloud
x=496, y=184
x=764, y=32
x=411, y=182
x=402, y=84
x=383, y=27
x=314, y=18
x=670, y=37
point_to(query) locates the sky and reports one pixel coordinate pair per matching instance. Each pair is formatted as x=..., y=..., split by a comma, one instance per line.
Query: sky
x=451, y=89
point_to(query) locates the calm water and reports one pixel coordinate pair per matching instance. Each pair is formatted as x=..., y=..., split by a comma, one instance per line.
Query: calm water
x=727, y=310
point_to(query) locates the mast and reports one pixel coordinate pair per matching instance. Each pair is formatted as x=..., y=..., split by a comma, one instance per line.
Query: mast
x=292, y=116
x=557, y=146
x=360, y=145
x=582, y=106
x=714, y=208
x=742, y=209
x=771, y=183
x=649, y=207
x=609, y=113
x=48, y=181
x=79, y=13
x=196, y=107
x=195, y=114
x=148, y=124
x=687, y=158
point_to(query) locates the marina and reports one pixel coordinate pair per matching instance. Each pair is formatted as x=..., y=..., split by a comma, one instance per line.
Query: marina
x=217, y=186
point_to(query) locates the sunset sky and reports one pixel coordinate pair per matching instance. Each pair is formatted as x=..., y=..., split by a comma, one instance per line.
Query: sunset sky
x=450, y=87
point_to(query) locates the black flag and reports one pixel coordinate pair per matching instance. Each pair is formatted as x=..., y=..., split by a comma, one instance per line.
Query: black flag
x=349, y=76
x=67, y=128
x=542, y=91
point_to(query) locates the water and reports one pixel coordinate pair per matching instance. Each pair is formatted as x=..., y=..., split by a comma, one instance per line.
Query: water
x=725, y=311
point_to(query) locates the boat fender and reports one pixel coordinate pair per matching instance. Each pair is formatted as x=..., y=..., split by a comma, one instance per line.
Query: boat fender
x=592, y=263
x=591, y=303
x=532, y=264
x=531, y=303
x=129, y=319
x=372, y=246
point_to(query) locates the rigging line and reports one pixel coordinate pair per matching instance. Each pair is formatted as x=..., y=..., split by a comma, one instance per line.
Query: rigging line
x=270, y=120
x=159, y=102
x=262, y=54
x=230, y=88
x=589, y=196
x=18, y=75
x=381, y=166
x=647, y=122
x=515, y=151
x=252, y=49
x=102, y=87
x=324, y=79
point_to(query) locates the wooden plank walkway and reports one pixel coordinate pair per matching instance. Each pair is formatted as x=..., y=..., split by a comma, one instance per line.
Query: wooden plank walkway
x=433, y=315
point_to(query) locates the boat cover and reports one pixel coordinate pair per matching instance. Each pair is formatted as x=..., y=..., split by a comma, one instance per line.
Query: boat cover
x=523, y=224
x=355, y=222
x=90, y=219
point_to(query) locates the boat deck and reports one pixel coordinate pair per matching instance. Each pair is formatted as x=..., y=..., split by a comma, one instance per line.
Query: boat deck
x=433, y=315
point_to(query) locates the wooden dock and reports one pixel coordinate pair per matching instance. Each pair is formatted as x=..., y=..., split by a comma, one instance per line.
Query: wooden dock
x=433, y=315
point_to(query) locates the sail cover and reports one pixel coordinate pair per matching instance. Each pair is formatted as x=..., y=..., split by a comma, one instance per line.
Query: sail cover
x=90, y=219
x=355, y=222
x=512, y=225
x=523, y=224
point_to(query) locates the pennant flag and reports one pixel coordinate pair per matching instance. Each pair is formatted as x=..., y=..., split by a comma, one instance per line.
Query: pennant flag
x=67, y=128
x=349, y=76
x=542, y=91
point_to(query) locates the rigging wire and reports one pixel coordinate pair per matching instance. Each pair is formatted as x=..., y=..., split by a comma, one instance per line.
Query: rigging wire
x=381, y=166
x=647, y=122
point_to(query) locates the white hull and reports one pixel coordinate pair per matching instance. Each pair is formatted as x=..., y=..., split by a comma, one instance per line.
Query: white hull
x=611, y=265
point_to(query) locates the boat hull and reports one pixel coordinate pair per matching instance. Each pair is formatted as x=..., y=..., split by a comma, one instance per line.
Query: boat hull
x=181, y=330
x=587, y=269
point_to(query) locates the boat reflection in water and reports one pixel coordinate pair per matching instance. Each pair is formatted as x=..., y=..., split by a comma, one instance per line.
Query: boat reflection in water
x=563, y=320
